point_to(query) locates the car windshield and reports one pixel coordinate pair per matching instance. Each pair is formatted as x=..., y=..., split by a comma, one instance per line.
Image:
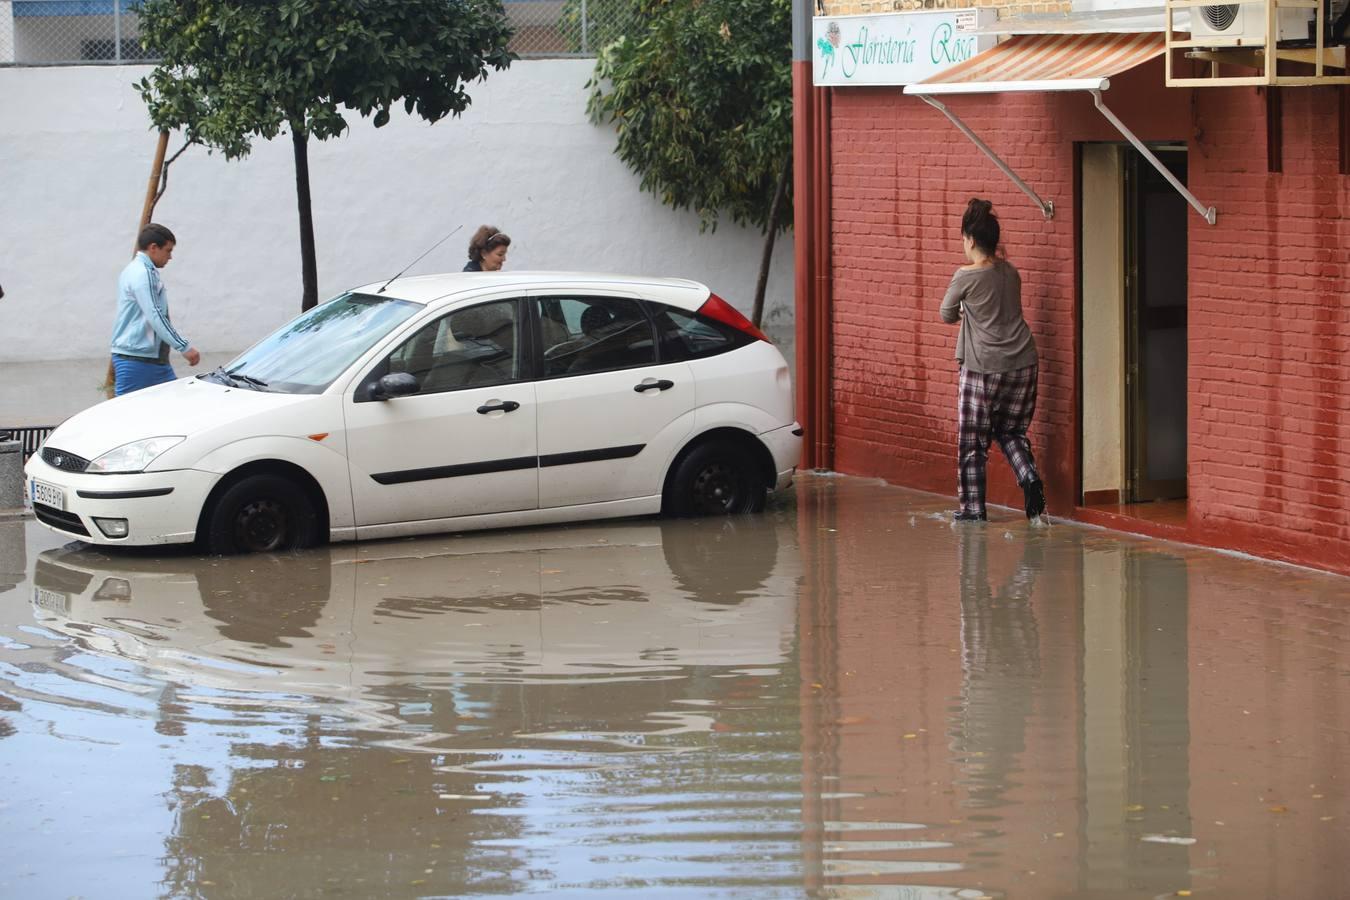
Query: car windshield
x=305, y=355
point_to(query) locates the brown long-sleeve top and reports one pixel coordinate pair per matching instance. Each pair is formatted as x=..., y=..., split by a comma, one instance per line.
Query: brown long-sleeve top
x=987, y=301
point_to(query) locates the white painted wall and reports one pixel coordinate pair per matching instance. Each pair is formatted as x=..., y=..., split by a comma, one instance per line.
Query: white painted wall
x=75, y=155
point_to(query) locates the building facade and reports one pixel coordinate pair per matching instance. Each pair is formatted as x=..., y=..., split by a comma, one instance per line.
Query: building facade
x=1193, y=376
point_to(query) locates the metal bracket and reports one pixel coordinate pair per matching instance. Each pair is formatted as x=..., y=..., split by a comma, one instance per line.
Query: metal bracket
x=1208, y=212
x=1047, y=206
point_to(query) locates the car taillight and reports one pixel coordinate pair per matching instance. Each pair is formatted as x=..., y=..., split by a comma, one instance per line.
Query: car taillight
x=721, y=311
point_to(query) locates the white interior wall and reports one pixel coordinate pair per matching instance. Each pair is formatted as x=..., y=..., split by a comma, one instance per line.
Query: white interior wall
x=76, y=151
x=1103, y=318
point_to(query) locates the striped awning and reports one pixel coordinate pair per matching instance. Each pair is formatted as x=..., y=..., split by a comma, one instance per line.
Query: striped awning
x=1046, y=62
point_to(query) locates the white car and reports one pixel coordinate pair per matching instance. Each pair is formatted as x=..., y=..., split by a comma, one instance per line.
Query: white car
x=439, y=403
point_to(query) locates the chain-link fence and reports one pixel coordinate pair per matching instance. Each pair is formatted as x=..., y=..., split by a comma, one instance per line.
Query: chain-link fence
x=66, y=32
x=83, y=32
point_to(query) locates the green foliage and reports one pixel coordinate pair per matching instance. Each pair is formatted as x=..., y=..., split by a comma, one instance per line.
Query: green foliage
x=701, y=92
x=232, y=70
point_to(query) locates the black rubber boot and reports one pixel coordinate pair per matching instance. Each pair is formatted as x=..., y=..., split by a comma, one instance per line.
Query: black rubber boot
x=1034, y=492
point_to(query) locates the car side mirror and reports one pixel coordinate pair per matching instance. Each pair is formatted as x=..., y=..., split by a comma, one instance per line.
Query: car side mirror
x=395, y=384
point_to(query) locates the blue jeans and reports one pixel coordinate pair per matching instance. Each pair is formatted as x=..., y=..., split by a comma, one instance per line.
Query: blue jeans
x=132, y=374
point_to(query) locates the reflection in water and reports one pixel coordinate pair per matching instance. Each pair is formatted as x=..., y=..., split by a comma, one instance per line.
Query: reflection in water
x=13, y=554
x=13, y=561
x=272, y=602
x=1000, y=667
x=702, y=552
x=447, y=717
x=842, y=698
x=1006, y=712
x=1137, y=805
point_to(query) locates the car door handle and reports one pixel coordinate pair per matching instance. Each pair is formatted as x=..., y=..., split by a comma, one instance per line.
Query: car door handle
x=664, y=384
x=501, y=406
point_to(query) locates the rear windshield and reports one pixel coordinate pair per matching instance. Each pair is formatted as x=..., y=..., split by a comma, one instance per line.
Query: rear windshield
x=686, y=335
x=309, y=352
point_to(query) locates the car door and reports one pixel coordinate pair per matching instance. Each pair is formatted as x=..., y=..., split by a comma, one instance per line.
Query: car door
x=465, y=442
x=610, y=413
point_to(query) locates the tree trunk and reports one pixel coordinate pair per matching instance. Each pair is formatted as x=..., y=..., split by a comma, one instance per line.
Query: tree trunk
x=147, y=210
x=309, y=267
x=775, y=213
x=151, y=196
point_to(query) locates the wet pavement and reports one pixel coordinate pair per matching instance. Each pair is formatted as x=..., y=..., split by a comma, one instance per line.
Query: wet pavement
x=844, y=697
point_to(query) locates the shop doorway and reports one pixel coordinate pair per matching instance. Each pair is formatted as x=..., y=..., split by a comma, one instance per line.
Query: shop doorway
x=1133, y=263
x=1155, y=405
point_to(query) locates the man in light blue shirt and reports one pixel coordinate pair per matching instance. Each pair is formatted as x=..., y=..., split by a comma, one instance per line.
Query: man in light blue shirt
x=142, y=333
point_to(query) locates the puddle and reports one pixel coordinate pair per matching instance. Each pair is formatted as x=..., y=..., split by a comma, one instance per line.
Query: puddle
x=843, y=697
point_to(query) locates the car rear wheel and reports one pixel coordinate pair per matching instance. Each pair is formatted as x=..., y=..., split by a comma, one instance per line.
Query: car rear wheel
x=714, y=479
x=261, y=514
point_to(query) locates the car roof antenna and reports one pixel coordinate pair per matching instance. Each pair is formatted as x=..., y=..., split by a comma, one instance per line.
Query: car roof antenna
x=415, y=261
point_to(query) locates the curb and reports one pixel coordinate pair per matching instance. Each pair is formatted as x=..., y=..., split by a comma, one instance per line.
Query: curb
x=15, y=515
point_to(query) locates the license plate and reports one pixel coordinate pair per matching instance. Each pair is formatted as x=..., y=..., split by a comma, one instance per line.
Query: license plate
x=50, y=600
x=47, y=494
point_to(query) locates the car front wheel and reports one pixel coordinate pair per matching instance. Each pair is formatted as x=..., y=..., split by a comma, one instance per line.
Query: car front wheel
x=261, y=514
x=717, y=478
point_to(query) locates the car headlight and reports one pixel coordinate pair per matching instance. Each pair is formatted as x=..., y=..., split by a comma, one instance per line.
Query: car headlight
x=133, y=457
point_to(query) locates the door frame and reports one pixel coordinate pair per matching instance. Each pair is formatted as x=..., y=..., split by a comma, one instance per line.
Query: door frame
x=1099, y=476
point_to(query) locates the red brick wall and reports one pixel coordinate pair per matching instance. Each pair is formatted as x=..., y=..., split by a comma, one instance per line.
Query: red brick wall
x=1270, y=330
x=902, y=175
x=1269, y=315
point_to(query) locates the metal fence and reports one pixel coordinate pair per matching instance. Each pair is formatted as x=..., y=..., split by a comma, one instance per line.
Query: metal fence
x=30, y=436
x=92, y=32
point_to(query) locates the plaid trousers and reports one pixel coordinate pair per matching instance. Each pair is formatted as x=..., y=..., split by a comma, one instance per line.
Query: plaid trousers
x=996, y=405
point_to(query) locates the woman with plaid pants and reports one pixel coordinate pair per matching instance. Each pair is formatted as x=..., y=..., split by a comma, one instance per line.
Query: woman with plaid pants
x=997, y=355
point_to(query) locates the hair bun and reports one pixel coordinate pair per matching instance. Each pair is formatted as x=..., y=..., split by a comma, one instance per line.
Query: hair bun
x=981, y=225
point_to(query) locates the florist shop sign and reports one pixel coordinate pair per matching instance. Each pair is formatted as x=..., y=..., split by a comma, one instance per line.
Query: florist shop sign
x=896, y=48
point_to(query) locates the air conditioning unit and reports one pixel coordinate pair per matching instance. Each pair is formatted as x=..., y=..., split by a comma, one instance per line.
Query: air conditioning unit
x=1244, y=24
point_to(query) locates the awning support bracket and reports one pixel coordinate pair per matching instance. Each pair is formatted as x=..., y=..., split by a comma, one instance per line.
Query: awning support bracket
x=1208, y=212
x=1047, y=206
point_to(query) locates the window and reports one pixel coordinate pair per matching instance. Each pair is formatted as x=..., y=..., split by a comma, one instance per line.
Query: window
x=686, y=335
x=472, y=347
x=594, y=334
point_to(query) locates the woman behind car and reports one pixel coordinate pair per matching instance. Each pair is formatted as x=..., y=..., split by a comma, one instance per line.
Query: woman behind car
x=487, y=250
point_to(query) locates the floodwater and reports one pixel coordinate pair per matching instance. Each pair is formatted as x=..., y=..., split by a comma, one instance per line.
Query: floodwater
x=845, y=697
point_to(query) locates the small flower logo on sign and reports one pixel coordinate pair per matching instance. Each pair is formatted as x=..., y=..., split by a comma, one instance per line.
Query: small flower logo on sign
x=829, y=44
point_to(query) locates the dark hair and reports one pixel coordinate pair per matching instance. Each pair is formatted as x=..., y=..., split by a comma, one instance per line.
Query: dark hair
x=981, y=225
x=154, y=234
x=486, y=238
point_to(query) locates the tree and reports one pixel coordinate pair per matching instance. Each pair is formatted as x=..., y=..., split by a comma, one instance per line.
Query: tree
x=234, y=70
x=701, y=92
